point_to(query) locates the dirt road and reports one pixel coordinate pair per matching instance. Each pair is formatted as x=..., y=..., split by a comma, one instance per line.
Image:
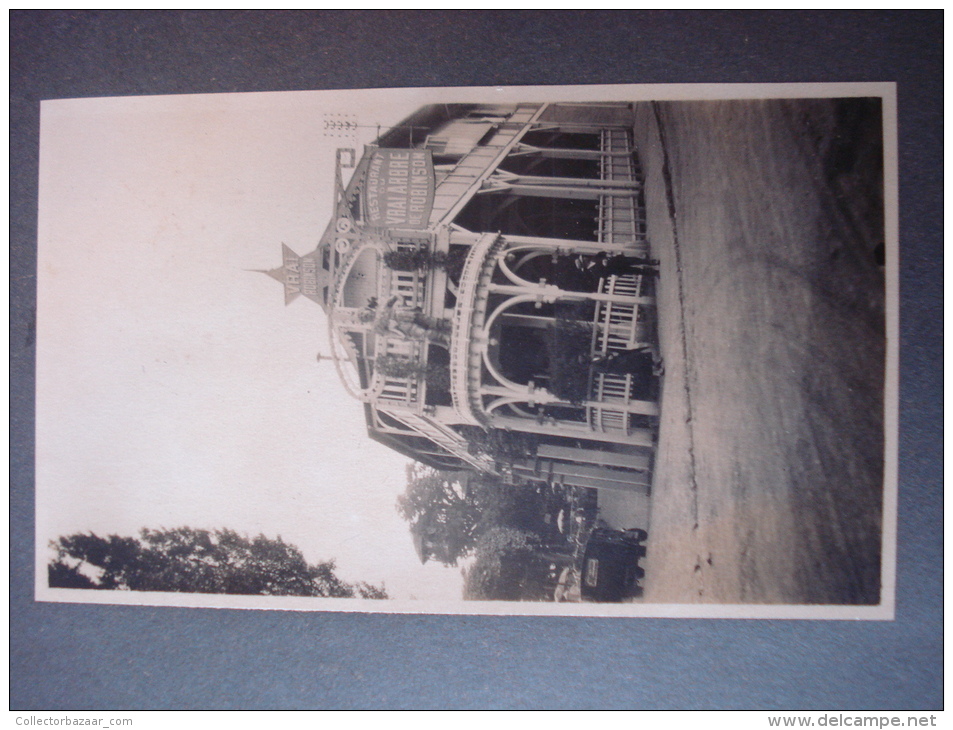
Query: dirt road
x=769, y=474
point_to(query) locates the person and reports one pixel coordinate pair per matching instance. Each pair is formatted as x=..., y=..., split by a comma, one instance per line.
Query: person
x=641, y=361
x=602, y=265
x=567, y=587
x=408, y=323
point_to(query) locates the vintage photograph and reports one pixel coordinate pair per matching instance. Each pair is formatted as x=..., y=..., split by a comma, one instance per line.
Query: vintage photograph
x=609, y=351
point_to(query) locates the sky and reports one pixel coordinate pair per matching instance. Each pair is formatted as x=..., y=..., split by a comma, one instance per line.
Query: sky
x=174, y=387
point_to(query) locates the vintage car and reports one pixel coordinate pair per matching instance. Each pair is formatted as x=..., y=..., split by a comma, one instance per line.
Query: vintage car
x=610, y=565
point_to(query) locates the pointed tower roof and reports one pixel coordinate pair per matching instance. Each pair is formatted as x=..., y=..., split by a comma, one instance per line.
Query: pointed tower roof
x=300, y=275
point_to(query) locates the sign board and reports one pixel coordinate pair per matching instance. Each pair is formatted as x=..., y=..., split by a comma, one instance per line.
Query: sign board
x=299, y=274
x=399, y=188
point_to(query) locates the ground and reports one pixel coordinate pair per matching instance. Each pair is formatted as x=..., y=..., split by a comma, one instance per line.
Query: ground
x=769, y=471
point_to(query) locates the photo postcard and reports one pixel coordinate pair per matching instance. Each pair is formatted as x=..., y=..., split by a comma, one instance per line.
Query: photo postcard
x=597, y=351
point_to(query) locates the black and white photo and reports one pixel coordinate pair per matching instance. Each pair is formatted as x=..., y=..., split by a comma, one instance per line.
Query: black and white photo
x=614, y=351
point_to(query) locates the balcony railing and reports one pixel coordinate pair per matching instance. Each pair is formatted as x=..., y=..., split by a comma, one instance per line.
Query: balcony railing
x=617, y=328
x=621, y=220
x=469, y=312
x=404, y=391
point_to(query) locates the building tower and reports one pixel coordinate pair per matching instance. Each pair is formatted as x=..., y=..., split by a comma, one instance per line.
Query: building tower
x=488, y=285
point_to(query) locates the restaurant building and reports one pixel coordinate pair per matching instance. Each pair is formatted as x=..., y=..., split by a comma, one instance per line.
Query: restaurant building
x=484, y=265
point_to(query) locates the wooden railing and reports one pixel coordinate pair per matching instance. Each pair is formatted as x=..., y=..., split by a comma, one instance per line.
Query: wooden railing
x=621, y=219
x=405, y=392
x=615, y=329
x=470, y=310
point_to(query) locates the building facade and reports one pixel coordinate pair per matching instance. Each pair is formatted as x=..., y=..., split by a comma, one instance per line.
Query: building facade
x=489, y=290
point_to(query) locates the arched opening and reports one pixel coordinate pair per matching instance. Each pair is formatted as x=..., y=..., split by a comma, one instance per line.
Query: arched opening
x=522, y=354
x=361, y=282
x=567, y=271
x=548, y=344
x=519, y=344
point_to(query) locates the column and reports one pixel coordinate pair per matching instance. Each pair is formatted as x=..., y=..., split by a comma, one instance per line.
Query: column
x=593, y=477
x=501, y=176
x=559, y=245
x=576, y=127
x=641, y=437
x=526, y=150
x=542, y=397
x=560, y=187
x=551, y=292
x=595, y=457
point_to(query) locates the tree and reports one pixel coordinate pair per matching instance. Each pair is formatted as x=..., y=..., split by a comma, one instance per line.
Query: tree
x=449, y=510
x=196, y=561
x=444, y=510
x=507, y=567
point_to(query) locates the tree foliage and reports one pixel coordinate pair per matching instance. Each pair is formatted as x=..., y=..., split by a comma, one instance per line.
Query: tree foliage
x=499, y=444
x=422, y=259
x=444, y=507
x=414, y=260
x=570, y=356
x=453, y=509
x=398, y=366
x=507, y=566
x=188, y=560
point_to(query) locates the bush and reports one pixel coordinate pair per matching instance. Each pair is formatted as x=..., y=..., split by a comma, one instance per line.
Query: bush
x=455, y=261
x=570, y=356
x=503, y=446
x=438, y=377
x=418, y=259
x=397, y=367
